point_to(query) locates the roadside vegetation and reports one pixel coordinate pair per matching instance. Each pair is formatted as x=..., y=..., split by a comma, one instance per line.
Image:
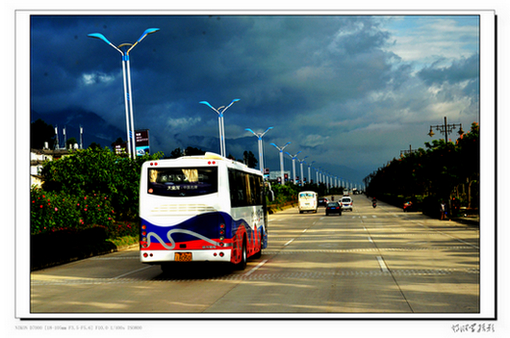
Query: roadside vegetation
x=91, y=188
x=445, y=172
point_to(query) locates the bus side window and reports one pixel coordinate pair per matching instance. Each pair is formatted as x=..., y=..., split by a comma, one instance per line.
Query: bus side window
x=234, y=198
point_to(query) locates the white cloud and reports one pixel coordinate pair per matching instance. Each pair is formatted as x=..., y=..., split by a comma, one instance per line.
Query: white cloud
x=183, y=122
x=94, y=78
x=314, y=140
x=424, y=40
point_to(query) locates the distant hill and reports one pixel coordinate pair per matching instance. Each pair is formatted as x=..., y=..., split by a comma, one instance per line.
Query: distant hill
x=95, y=128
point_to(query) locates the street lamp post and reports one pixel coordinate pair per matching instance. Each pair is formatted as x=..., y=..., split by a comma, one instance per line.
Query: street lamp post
x=128, y=100
x=261, y=149
x=281, y=160
x=294, y=158
x=410, y=151
x=446, y=128
x=302, y=177
x=220, y=111
x=309, y=174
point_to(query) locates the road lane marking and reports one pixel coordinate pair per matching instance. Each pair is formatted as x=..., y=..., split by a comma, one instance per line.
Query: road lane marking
x=369, y=237
x=383, y=266
x=255, y=268
x=134, y=271
x=292, y=240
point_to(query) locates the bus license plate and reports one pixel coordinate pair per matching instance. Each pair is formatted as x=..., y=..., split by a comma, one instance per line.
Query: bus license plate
x=183, y=256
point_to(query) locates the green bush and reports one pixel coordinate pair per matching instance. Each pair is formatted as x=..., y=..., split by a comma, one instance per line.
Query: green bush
x=101, y=171
x=89, y=188
x=54, y=211
x=284, y=193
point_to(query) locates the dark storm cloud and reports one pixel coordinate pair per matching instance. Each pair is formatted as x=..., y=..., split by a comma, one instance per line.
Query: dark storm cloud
x=328, y=84
x=465, y=69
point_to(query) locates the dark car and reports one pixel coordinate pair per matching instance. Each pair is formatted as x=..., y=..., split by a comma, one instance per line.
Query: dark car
x=333, y=208
x=323, y=202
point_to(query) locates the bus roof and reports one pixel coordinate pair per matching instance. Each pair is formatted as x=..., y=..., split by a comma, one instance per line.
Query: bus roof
x=215, y=157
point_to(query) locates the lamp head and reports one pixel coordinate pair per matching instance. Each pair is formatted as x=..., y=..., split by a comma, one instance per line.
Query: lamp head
x=206, y=103
x=100, y=37
x=147, y=32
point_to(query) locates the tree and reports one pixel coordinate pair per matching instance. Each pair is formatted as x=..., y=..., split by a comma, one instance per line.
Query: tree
x=95, y=145
x=71, y=142
x=40, y=132
x=249, y=159
x=441, y=171
x=118, y=141
x=96, y=170
x=176, y=153
x=191, y=151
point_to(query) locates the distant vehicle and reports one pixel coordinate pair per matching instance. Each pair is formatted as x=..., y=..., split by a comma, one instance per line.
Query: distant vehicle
x=307, y=201
x=346, y=203
x=333, y=208
x=408, y=206
x=323, y=201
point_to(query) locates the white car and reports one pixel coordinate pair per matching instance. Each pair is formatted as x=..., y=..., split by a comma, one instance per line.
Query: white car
x=346, y=203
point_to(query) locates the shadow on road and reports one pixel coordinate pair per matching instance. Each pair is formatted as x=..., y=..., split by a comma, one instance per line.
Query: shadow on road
x=195, y=270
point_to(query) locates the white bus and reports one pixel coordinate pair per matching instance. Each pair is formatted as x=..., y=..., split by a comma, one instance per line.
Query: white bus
x=307, y=201
x=201, y=208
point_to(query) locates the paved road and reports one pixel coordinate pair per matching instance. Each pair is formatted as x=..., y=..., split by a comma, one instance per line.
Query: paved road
x=368, y=261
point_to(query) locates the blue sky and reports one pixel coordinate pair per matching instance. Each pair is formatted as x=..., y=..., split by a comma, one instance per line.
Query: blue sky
x=350, y=92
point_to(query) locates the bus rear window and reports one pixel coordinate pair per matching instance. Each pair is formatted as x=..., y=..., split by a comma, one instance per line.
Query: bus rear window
x=183, y=181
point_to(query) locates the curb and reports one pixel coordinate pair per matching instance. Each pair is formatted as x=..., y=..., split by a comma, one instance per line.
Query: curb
x=467, y=221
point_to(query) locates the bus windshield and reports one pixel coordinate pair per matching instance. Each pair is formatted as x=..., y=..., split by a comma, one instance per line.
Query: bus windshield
x=180, y=182
x=306, y=195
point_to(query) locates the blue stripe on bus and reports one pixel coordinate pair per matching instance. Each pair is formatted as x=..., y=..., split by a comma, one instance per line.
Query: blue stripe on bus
x=206, y=224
